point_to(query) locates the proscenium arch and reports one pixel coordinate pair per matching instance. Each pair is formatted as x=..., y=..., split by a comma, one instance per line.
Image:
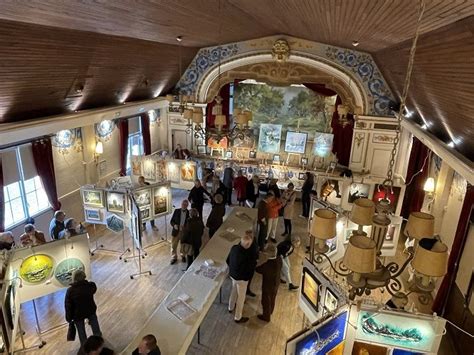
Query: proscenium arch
x=359, y=97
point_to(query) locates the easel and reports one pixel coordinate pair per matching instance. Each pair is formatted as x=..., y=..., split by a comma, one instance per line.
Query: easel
x=100, y=247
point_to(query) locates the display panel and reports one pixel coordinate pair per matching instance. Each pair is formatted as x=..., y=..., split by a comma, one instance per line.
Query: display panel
x=92, y=198
x=295, y=142
x=310, y=288
x=116, y=202
x=269, y=138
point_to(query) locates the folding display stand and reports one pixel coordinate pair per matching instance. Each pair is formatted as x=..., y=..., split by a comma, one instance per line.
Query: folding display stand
x=163, y=240
x=100, y=247
x=139, y=257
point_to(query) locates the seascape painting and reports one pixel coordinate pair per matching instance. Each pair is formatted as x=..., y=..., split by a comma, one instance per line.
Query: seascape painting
x=36, y=268
x=65, y=269
x=322, y=145
x=115, y=223
x=295, y=142
x=269, y=138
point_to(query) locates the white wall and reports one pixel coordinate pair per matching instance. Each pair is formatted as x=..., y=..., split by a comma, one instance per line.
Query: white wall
x=466, y=266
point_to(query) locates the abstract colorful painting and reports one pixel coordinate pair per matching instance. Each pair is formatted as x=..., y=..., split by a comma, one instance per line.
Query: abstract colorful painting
x=66, y=268
x=322, y=145
x=269, y=138
x=36, y=268
x=295, y=142
x=326, y=337
x=396, y=330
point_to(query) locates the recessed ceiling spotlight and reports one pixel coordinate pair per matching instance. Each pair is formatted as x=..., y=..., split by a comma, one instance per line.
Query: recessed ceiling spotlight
x=408, y=113
x=355, y=43
x=425, y=127
x=451, y=144
x=75, y=111
x=179, y=38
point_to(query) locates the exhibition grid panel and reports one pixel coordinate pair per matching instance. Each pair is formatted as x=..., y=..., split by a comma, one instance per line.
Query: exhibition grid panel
x=174, y=335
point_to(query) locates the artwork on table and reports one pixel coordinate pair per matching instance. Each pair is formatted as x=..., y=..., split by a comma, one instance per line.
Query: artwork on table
x=36, y=268
x=115, y=223
x=145, y=213
x=65, y=269
x=188, y=172
x=116, y=202
x=330, y=300
x=360, y=348
x=331, y=192
x=92, y=198
x=304, y=161
x=149, y=170
x=161, y=171
x=160, y=200
x=396, y=330
x=136, y=167
x=357, y=190
x=252, y=154
x=301, y=176
x=142, y=197
x=393, y=196
x=327, y=336
x=322, y=145
x=93, y=215
x=269, y=138
x=295, y=142
x=229, y=154
x=405, y=352
x=201, y=149
x=310, y=288
x=214, y=144
x=173, y=172
x=276, y=158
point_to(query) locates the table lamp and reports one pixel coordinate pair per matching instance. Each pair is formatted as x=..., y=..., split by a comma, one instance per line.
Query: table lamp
x=323, y=227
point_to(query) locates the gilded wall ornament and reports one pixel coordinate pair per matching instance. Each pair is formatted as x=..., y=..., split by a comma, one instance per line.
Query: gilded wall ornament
x=280, y=50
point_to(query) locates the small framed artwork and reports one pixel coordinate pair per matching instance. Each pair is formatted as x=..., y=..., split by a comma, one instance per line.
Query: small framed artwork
x=276, y=158
x=188, y=172
x=149, y=170
x=115, y=223
x=310, y=288
x=295, y=142
x=252, y=154
x=92, y=198
x=136, y=167
x=143, y=197
x=301, y=176
x=201, y=149
x=93, y=215
x=358, y=190
x=229, y=154
x=173, y=172
x=217, y=152
x=116, y=202
x=145, y=213
x=304, y=161
x=330, y=301
x=160, y=200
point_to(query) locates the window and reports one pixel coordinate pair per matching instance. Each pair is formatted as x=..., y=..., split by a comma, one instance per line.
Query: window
x=135, y=141
x=23, y=190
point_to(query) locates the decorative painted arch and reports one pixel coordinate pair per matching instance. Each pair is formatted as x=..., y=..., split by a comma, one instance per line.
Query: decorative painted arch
x=354, y=75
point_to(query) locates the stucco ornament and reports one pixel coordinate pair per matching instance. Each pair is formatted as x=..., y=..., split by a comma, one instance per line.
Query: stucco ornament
x=280, y=50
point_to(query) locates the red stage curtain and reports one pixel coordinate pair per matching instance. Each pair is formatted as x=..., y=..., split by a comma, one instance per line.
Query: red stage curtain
x=43, y=158
x=225, y=94
x=123, y=141
x=414, y=193
x=145, y=123
x=2, y=199
x=320, y=89
x=456, y=252
x=342, y=143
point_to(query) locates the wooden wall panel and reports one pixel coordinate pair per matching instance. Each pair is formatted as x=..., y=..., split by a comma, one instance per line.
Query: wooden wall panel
x=40, y=65
x=442, y=87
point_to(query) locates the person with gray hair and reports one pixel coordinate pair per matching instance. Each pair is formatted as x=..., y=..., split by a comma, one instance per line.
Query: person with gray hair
x=270, y=270
x=31, y=237
x=79, y=305
x=6, y=240
x=57, y=225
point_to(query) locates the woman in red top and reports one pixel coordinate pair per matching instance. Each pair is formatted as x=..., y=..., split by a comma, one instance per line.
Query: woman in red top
x=273, y=214
x=240, y=186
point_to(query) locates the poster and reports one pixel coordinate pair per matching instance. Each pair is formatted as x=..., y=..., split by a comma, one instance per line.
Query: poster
x=36, y=268
x=295, y=142
x=357, y=190
x=310, y=288
x=142, y=197
x=329, y=335
x=188, y=172
x=116, y=202
x=65, y=270
x=160, y=200
x=363, y=349
x=136, y=167
x=269, y=138
x=149, y=170
x=92, y=198
x=115, y=223
x=322, y=145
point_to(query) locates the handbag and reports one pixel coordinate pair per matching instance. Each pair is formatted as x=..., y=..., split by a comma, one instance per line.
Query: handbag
x=71, y=332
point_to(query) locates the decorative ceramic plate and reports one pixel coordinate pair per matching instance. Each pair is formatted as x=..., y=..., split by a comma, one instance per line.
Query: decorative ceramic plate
x=66, y=268
x=36, y=268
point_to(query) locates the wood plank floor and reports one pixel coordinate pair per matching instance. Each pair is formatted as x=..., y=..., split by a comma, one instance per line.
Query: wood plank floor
x=125, y=304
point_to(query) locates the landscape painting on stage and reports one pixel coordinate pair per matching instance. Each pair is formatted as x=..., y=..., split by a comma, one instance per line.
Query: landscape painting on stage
x=269, y=138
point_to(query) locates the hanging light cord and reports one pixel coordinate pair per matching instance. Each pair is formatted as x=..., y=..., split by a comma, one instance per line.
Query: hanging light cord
x=406, y=87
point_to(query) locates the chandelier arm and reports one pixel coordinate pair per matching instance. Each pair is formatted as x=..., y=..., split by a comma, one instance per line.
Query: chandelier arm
x=400, y=269
x=319, y=260
x=395, y=286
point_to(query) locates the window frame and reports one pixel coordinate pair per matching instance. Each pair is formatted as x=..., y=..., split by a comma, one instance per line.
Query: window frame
x=130, y=137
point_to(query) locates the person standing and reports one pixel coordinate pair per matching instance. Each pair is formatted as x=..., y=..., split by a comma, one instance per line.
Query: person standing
x=285, y=249
x=240, y=186
x=191, y=238
x=95, y=345
x=71, y=228
x=216, y=217
x=288, y=199
x=263, y=219
x=270, y=271
x=217, y=186
x=228, y=183
x=272, y=186
x=141, y=183
x=178, y=220
x=180, y=153
x=79, y=305
x=148, y=346
x=6, y=240
x=253, y=188
x=274, y=207
x=32, y=237
x=196, y=196
x=242, y=260
x=306, y=194
x=57, y=225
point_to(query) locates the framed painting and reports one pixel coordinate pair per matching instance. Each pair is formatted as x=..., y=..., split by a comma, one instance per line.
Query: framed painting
x=161, y=171
x=295, y=142
x=269, y=138
x=145, y=213
x=201, y=150
x=116, y=202
x=173, y=172
x=365, y=348
x=358, y=190
x=301, y=176
x=115, y=223
x=161, y=200
x=229, y=154
x=304, y=161
x=149, y=170
x=322, y=145
x=142, y=197
x=330, y=301
x=252, y=154
x=310, y=288
x=93, y=215
x=393, y=195
x=188, y=172
x=214, y=144
x=276, y=158
x=92, y=198
x=136, y=167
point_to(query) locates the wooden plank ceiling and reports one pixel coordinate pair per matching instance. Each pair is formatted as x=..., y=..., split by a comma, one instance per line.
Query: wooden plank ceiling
x=128, y=48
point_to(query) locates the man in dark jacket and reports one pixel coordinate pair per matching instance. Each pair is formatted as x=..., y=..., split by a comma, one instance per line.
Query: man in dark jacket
x=228, y=181
x=242, y=260
x=306, y=194
x=270, y=271
x=196, y=196
x=285, y=249
x=191, y=239
x=57, y=225
x=216, y=217
x=263, y=219
x=148, y=346
x=79, y=305
x=179, y=218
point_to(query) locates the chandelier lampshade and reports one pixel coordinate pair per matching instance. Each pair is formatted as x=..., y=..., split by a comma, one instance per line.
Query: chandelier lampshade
x=431, y=259
x=363, y=210
x=249, y=116
x=197, y=116
x=169, y=98
x=188, y=113
x=240, y=119
x=236, y=112
x=420, y=225
x=323, y=227
x=220, y=121
x=360, y=255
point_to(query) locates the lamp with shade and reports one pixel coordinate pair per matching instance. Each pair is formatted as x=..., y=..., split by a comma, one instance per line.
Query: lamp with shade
x=420, y=225
x=431, y=260
x=360, y=257
x=323, y=227
x=429, y=186
x=362, y=212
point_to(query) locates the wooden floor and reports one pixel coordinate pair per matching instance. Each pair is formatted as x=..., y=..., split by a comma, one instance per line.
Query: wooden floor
x=125, y=304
